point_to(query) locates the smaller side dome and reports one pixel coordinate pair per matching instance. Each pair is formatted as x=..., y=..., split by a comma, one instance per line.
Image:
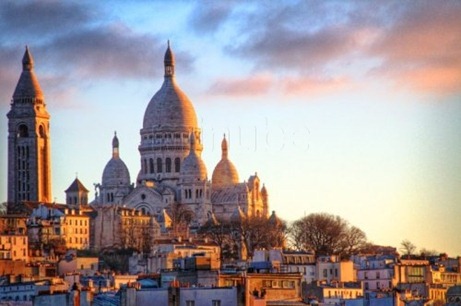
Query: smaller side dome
x=193, y=167
x=116, y=172
x=224, y=174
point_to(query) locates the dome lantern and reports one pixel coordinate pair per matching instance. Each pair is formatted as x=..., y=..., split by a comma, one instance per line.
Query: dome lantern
x=115, y=144
x=169, y=62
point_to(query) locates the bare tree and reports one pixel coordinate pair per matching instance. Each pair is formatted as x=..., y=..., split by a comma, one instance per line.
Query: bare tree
x=424, y=253
x=407, y=248
x=136, y=233
x=354, y=241
x=258, y=232
x=182, y=217
x=326, y=234
x=220, y=233
x=243, y=236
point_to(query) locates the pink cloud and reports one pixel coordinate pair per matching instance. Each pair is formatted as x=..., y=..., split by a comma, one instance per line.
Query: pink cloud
x=313, y=85
x=422, y=50
x=251, y=85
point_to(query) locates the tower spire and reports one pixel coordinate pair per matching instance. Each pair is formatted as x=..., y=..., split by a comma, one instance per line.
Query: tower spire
x=28, y=89
x=29, y=150
x=27, y=60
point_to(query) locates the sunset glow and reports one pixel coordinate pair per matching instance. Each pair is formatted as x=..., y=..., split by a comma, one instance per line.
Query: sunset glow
x=350, y=108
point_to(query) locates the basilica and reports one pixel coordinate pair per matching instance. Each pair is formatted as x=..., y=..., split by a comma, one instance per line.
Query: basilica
x=171, y=168
x=172, y=171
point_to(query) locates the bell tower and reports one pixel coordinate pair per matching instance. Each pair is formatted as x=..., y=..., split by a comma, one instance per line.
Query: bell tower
x=29, y=166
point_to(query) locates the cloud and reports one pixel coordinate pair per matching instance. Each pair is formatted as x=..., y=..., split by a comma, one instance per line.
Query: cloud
x=295, y=36
x=72, y=48
x=26, y=20
x=415, y=45
x=311, y=85
x=248, y=86
x=9, y=73
x=422, y=48
x=207, y=17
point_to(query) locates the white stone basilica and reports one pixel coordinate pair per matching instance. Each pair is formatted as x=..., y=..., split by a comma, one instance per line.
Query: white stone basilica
x=172, y=170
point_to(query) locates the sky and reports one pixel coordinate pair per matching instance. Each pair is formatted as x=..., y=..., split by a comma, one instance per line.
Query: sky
x=352, y=108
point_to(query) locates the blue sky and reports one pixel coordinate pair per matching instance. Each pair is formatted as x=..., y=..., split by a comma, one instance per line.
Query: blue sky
x=351, y=108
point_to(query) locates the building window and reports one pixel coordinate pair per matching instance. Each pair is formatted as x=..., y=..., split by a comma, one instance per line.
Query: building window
x=23, y=131
x=159, y=165
x=168, y=165
x=216, y=303
x=190, y=303
x=151, y=165
x=177, y=163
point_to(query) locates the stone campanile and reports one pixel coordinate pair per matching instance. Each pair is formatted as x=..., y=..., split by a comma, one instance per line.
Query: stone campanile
x=29, y=165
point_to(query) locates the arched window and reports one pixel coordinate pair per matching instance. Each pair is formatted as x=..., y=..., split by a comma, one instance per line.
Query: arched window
x=177, y=163
x=168, y=165
x=159, y=165
x=145, y=166
x=41, y=132
x=23, y=131
x=151, y=165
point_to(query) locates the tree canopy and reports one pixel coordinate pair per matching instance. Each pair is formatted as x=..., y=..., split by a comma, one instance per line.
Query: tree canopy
x=326, y=234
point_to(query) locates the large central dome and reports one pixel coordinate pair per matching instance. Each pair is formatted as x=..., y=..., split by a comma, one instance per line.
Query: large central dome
x=170, y=108
x=168, y=121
